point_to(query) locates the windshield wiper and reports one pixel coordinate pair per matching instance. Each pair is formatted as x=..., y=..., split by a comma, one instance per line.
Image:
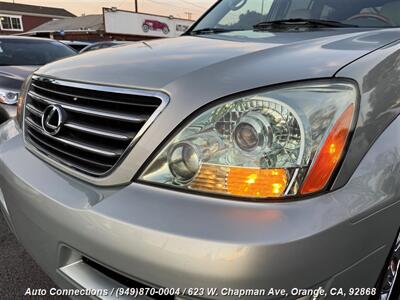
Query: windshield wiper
x=300, y=22
x=213, y=30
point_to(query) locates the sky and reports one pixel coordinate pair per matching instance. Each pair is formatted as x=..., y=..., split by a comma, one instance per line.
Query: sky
x=177, y=8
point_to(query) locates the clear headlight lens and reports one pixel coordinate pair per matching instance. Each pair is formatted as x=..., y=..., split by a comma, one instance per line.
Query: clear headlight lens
x=21, y=100
x=8, y=96
x=261, y=146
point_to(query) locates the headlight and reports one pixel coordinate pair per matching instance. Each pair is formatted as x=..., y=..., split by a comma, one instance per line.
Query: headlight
x=21, y=100
x=273, y=144
x=8, y=96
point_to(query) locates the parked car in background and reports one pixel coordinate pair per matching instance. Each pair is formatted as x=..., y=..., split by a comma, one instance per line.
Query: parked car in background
x=19, y=57
x=102, y=45
x=259, y=152
x=76, y=45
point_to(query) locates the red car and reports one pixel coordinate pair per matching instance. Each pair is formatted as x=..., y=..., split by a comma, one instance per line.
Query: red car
x=155, y=25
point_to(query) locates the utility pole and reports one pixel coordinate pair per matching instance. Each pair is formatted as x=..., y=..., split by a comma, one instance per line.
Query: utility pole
x=136, y=6
x=189, y=15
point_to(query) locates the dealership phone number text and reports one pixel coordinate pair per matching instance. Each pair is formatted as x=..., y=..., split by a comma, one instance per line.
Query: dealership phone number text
x=123, y=292
x=242, y=293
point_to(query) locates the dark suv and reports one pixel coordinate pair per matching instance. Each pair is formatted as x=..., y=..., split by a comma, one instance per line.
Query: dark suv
x=19, y=57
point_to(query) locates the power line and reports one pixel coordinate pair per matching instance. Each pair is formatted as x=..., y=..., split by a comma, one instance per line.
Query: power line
x=163, y=4
x=194, y=4
x=175, y=5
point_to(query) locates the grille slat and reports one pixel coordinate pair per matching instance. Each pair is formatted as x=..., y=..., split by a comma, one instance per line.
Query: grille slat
x=69, y=163
x=33, y=110
x=75, y=97
x=80, y=145
x=93, y=132
x=39, y=140
x=103, y=133
x=90, y=111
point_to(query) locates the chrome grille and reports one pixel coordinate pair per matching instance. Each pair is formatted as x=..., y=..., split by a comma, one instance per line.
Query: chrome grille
x=96, y=125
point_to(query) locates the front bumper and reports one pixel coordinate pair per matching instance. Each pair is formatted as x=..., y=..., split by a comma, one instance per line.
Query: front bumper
x=171, y=239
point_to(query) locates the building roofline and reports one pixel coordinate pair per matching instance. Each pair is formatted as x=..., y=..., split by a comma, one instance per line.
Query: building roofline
x=21, y=13
x=29, y=9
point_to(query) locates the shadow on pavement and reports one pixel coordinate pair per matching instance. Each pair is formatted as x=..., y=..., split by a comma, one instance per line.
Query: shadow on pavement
x=18, y=271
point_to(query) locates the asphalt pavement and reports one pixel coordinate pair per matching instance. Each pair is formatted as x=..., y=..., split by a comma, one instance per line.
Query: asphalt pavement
x=17, y=269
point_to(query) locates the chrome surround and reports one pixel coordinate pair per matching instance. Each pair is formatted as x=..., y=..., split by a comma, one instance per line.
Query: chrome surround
x=49, y=112
x=392, y=276
x=120, y=173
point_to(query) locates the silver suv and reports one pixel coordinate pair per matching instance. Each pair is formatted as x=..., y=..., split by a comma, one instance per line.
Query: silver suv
x=258, y=154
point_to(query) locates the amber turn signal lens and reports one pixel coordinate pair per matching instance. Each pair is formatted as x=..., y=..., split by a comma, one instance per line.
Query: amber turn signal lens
x=242, y=182
x=257, y=182
x=329, y=155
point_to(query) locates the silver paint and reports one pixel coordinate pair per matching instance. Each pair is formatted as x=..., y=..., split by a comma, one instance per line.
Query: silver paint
x=174, y=239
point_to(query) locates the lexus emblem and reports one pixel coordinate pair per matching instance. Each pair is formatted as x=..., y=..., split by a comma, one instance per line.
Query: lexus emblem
x=53, y=119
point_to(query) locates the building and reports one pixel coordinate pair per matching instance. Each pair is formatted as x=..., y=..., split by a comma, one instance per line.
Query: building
x=113, y=24
x=143, y=25
x=19, y=18
x=85, y=28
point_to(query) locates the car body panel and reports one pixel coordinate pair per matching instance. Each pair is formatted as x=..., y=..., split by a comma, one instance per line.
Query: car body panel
x=12, y=77
x=102, y=45
x=239, y=244
x=377, y=75
x=76, y=45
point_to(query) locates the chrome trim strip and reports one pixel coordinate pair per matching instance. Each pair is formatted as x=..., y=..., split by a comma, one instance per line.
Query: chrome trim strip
x=292, y=181
x=85, y=277
x=121, y=173
x=87, y=111
x=63, y=161
x=91, y=98
x=101, y=88
x=33, y=125
x=33, y=139
x=391, y=280
x=97, y=132
x=33, y=110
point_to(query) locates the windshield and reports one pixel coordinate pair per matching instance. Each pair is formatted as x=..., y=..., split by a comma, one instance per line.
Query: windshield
x=28, y=52
x=245, y=14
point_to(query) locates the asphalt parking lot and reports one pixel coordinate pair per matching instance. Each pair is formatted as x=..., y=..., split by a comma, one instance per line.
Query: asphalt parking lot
x=17, y=270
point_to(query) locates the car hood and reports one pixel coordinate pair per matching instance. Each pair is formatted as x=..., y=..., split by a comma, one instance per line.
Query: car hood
x=213, y=66
x=12, y=77
x=155, y=64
